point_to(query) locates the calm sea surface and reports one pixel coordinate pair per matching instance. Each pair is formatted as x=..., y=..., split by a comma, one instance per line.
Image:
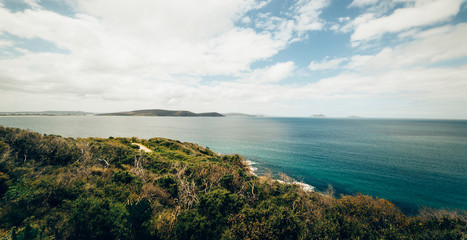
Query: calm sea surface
x=413, y=163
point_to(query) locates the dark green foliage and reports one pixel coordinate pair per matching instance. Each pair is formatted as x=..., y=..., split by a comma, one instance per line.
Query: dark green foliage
x=28, y=233
x=192, y=225
x=139, y=215
x=4, y=147
x=3, y=183
x=209, y=219
x=93, y=218
x=95, y=188
x=227, y=181
x=169, y=183
x=115, y=152
x=266, y=221
x=218, y=204
x=123, y=177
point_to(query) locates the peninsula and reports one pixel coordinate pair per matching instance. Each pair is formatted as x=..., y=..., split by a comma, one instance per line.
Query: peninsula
x=163, y=113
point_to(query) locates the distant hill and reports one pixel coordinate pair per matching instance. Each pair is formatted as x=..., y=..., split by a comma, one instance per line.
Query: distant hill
x=45, y=113
x=318, y=116
x=162, y=113
x=239, y=115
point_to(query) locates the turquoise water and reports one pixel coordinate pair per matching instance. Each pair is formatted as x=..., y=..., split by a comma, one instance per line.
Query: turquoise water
x=413, y=163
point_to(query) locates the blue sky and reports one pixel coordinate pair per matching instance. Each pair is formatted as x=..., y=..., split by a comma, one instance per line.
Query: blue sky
x=372, y=58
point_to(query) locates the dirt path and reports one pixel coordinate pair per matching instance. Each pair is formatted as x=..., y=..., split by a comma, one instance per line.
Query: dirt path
x=142, y=147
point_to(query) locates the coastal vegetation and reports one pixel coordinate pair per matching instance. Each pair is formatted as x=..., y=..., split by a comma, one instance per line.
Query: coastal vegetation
x=107, y=188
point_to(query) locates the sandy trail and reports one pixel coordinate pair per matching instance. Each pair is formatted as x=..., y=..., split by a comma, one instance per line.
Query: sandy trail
x=142, y=147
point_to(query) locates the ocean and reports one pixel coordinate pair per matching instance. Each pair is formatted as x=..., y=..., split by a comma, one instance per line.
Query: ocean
x=412, y=163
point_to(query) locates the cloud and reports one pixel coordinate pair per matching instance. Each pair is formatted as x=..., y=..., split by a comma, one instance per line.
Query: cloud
x=362, y=3
x=5, y=43
x=326, y=64
x=426, y=47
x=415, y=84
x=421, y=13
x=308, y=14
x=168, y=20
x=152, y=39
x=151, y=52
x=186, y=55
x=304, y=17
x=425, y=70
x=271, y=74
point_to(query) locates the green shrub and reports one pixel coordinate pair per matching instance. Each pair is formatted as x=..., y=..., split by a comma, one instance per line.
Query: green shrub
x=94, y=218
x=168, y=182
x=266, y=221
x=123, y=177
x=209, y=220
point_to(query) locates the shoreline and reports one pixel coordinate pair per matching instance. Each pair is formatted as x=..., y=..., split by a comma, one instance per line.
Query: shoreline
x=304, y=186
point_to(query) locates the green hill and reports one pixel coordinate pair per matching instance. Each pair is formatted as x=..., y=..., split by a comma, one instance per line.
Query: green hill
x=163, y=113
x=94, y=188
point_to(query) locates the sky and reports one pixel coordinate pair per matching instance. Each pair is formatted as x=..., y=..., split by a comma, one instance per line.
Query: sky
x=369, y=58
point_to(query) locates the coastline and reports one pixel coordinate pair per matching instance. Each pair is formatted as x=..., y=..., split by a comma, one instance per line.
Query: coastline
x=314, y=152
x=304, y=186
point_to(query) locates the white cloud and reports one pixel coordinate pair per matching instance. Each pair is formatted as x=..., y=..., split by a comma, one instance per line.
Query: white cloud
x=158, y=40
x=362, y=3
x=161, y=20
x=427, y=47
x=422, y=13
x=5, y=43
x=304, y=16
x=271, y=74
x=115, y=49
x=235, y=50
x=150, y=37
x=413, y=84
x=246, y=20
x=326, y=64
x=308, y=14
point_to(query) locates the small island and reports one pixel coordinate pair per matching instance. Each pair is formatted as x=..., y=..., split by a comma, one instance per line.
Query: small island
x=240, y=115
x=318, y=116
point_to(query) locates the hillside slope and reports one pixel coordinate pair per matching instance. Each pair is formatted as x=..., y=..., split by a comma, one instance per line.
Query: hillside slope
x=94, y=188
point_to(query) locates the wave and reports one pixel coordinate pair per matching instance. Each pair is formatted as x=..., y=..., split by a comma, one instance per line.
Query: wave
x=249, y=165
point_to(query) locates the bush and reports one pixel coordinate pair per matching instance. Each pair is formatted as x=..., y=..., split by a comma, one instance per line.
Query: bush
x=123, y=177
x=209, y=220
x=266, y=221
x=168, y=182
x=94, y=218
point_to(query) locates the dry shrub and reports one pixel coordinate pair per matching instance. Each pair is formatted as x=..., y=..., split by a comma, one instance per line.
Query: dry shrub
x=364, y=207
x=85, y=150
x=150, y=191
x=187, y=190
x=430, y=213
x=138, y=169
x=187, y=196
x=216, y=173
x=99, y=171
x=162, y=223
x=287, y=179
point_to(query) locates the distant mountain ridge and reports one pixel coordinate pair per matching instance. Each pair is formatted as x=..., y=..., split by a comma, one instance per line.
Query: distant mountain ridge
x=46, y=113
x=239, y=115
x=163, y=113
